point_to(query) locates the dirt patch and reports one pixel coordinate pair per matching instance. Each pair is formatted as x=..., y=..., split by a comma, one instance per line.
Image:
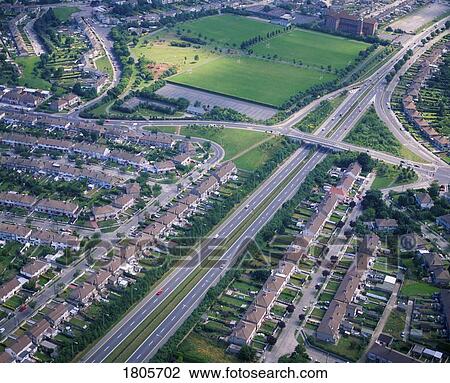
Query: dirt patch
x=158, y=69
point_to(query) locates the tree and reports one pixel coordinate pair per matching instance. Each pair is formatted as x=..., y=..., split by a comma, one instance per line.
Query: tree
x=271, y=340
x=433, y=190
x=290, y=308
x=247, y=354
x=281, y=324
x=366, y=162
x=196, y=58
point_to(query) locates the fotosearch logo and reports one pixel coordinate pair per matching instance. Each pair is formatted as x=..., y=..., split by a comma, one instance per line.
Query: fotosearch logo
x=408, y=242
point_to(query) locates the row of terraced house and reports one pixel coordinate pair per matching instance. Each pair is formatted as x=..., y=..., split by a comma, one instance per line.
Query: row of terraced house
x=188, y=204
x=248, y=326
x=409, y=100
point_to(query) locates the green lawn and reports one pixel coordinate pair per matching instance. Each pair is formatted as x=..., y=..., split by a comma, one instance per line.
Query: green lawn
x=28, y=78
x=390, y=176
x=234, y=141
x=248, y=78
x=226, y=29
x=395, y=324
x=371, y=132
x=103, y=65
x=157, y=48
x=349, y=347
x=196, y=348
x=164, y=129
x=415, y=288
x=64, y=13
x=256, y=157
x=317, y=116
x=311, y=48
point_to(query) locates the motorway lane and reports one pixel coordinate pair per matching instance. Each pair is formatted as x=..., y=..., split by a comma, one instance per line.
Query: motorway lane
x=190, y=301
x=127, y=325
x=367, y=93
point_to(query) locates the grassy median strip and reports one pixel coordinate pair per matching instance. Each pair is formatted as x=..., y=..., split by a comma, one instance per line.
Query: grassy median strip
x=141, y=333
x=345, y=116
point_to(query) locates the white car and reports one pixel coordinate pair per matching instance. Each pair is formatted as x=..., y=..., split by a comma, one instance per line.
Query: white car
x=2, y=330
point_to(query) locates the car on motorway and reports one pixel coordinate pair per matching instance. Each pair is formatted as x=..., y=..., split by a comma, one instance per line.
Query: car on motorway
x=159, y=292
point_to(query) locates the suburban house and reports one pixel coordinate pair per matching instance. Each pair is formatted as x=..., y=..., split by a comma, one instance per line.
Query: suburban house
x=386, y=225
x=6, y=358
x=21, y=348
x=182, y=159
x=8, y=289
x=381, y=354
x=82, y=295
x=34, y=269
x=99, y=279
x=444, y=221
x=424, y=201
x=206, y=187
x=41, y=330
x=155, y=229
x=133, y=189
x=11, y=232
x=167, y=219
x=58, y=314
x=158, y=140
x=191, y=200
x=55, y=207
x=55, y=240
x=123, y=202
x=266, y=300
x=103, y=213
x=275, y=284
x=124, y=158
x=255, y=314
x=224, y=172
x=163, y=167
x=113, y=266
x=17, y=200
x=179, y=209
x=328, y=330
x=243, y=333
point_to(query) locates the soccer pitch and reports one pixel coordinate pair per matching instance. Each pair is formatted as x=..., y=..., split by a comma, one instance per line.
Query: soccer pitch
x=226, y=29
x=311, y=48
x=253, y=79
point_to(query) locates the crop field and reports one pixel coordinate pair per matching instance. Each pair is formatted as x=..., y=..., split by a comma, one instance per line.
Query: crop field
x=311, y=48
x=228, y=30
x=252, y=79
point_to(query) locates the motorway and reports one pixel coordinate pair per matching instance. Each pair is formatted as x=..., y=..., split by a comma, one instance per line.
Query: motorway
x=68, y=274
x=226, y=229
x=330, y=134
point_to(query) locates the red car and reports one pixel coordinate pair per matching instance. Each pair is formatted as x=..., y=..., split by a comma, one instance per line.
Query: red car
x=22, y=308
x=159, y=292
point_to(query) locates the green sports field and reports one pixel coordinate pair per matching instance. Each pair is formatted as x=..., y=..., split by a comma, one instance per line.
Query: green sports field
x=220, y=66
x=311, y=48
x=226, y=29
x=249, y=78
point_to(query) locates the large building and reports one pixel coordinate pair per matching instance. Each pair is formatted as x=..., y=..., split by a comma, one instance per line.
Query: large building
x=354, y=25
